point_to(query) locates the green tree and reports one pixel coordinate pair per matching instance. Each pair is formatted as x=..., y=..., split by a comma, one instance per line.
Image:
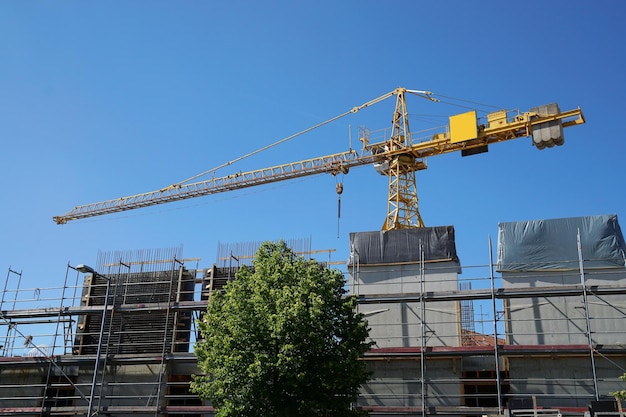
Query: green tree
x=282, y=340
x=621, y=395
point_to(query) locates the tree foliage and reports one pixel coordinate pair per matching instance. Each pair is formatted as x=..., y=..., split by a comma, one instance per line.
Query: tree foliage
x=282, y=340
x=620, y=395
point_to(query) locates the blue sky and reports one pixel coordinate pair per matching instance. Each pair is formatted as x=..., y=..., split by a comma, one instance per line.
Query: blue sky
x=100, y=100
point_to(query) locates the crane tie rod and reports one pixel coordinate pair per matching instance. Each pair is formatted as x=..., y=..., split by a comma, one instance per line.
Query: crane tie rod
x=426, y=94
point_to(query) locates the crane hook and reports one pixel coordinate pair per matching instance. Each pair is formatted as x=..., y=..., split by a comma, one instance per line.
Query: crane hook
x=339, y=189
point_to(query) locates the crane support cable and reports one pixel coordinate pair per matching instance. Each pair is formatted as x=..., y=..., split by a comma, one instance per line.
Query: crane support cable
x=258, y=150
x=428, y=95
x=475, y=103
x=421, y=93
x=302, y=132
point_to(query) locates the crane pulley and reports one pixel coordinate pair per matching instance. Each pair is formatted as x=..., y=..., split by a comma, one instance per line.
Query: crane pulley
x=398, y=157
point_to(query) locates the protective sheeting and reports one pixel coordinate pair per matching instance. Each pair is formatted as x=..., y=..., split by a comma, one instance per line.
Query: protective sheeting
x=542, y=245
x=394, y=246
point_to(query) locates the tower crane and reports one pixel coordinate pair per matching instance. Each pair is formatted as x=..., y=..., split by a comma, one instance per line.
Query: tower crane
x=398, y=157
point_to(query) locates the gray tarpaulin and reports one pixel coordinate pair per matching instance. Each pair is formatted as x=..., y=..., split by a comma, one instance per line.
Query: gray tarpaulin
x=403, y=245
x=552, y=244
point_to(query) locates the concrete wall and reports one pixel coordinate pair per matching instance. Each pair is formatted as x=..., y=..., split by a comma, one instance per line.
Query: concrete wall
x=564, y=382
x=397, y=383
x=398, y=322
x=561, y=320
x=127, y=389
x=22, y=385
x=394, y=279
x=130, y=385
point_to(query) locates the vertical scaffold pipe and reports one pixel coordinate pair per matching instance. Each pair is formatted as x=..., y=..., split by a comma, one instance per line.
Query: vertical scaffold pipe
x=588, y=322
x=422, y=329
x=496, y=350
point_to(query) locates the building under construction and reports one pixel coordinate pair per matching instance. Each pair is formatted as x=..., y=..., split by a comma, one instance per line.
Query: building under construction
x=541, y=324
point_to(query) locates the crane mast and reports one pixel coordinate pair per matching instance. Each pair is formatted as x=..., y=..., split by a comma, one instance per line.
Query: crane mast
x=402, y=207
x=398, y=157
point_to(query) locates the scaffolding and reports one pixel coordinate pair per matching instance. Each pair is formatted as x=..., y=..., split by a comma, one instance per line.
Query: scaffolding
x=433, y=353
x=482, y=376
x=557, y=336
x=117, y=341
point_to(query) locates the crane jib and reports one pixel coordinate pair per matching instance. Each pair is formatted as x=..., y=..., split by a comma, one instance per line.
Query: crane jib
x=333, y=164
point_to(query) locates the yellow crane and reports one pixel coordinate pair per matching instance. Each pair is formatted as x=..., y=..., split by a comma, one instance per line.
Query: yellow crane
x=398, y=157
